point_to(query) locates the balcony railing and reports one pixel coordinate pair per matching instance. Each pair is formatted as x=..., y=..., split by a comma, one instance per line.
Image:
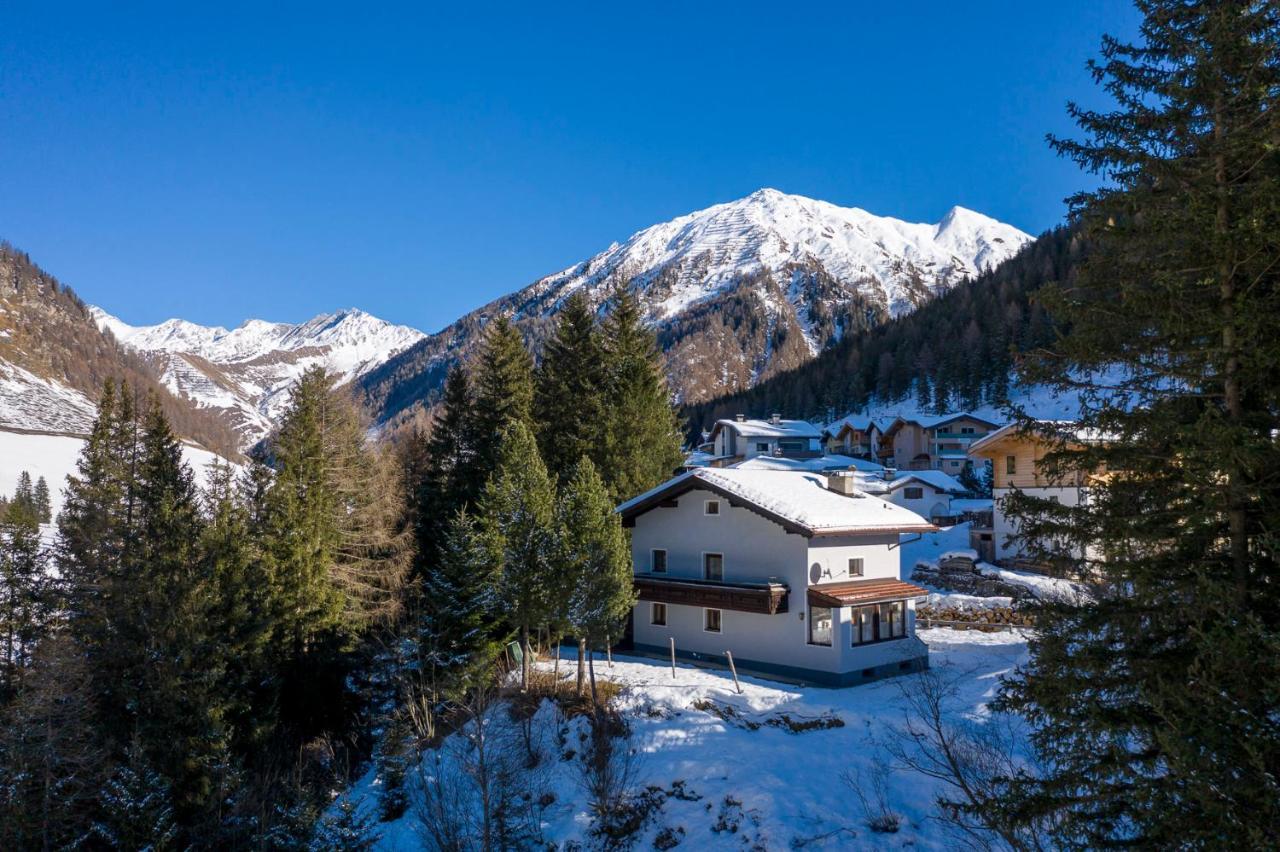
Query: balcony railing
x=760, y=598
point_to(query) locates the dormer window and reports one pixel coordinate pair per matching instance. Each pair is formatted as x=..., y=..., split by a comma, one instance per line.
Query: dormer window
x=712, y=507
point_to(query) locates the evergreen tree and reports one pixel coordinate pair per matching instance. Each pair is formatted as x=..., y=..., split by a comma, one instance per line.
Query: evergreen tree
x=135, y=808
x=642, y=443
x=451, y=478
x=503, y=375
x=596, y=577
x=568, y=401
x=1154, y=705
x=25, y=601
x=43, y=504
x=335, y=545
x=517, y=514
x=460, y=631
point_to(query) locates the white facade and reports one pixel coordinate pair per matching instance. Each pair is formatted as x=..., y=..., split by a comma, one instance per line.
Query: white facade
x=1003, y=526
x=754, y=550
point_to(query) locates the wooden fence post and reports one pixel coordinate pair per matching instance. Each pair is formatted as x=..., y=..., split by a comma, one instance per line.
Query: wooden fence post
x=734, y=671
x=673, y=656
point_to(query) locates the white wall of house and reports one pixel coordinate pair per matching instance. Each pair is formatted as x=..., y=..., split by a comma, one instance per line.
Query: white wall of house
x=932, y=502
x=1003, y=526
x=757, y=550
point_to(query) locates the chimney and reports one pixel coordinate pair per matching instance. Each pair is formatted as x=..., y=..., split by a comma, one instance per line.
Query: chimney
x=775, y=419
x=842, y=482
x=740, y=417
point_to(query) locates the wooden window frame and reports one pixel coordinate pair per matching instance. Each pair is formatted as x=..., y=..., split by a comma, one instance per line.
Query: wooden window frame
x=705, y=572
x=719, y=620
x=876, y=624
x=653, y=614
x=1010, y=465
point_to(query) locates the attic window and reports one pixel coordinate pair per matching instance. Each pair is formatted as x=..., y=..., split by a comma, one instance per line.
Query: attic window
x=713, y=507
x=913, y=493
x=1011, y=465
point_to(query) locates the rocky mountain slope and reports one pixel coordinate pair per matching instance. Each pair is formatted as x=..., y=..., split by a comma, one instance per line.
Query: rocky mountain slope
x=54, y=359
x=738, y=292
x=243, y=375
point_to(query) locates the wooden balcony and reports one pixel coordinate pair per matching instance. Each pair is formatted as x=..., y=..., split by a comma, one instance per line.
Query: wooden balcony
x=760, y=598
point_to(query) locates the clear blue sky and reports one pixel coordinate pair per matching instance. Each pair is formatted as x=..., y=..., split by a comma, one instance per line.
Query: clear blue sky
x=417, y=162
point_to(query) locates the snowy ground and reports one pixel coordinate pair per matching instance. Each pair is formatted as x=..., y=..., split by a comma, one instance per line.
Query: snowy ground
x=789, y=786
x=54, y=457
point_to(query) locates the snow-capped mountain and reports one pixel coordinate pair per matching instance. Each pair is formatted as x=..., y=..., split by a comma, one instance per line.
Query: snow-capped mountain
x=245, y=373
x=738, y=291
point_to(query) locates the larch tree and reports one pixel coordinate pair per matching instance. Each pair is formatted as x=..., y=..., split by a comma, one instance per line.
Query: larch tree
x=518, y=512
x=642, y=439
x=1153, y=704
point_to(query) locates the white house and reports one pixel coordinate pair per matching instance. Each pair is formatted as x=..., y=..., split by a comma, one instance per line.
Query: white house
x=1015, y=455
x=928, y=493
x=795, y=573
x=741, y=438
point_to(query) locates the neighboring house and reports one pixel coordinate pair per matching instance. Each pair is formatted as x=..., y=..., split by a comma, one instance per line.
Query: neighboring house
x=928, y=493
x=796, y=574
x=1015, y=457
x=932, y=443
x=819, y=464
x=853, y=436
x=741, y=438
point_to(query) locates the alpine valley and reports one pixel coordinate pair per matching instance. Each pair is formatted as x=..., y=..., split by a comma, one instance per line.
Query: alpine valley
x=738, y=292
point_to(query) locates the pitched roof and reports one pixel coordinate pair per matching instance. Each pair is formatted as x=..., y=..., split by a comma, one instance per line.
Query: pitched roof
x=857, y=592
x=769, y=429
x=799, y=502
x=934, y=478
x=821, y=463
x=1051, y=428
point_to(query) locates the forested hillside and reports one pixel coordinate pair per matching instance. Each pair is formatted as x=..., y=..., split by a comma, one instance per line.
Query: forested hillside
x=54, y=359
x=956, y=351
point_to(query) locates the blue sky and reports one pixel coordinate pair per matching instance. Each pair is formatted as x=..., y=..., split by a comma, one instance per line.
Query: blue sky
x=236, y=161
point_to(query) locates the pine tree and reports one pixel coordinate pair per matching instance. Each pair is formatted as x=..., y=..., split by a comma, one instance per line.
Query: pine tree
x=596, y=574
x=43, y=504
x=642, y=444
x=503, y=375
x=1154, y=705
x=568, y=401
x=517, y=514
x=135, y=808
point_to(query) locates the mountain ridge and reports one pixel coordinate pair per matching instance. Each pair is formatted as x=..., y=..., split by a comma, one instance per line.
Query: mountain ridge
x=737, y=292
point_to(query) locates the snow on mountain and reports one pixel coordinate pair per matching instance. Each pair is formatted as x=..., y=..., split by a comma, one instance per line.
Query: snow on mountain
x=738, y=291
x=245, y=373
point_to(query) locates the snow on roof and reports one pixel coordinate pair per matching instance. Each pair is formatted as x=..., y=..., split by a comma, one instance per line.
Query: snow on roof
x=935, y=478
x=1051, y=428
x=699, y=458
x=861, y=422
x=802, y=500
x=831, y=462
x=770, y=429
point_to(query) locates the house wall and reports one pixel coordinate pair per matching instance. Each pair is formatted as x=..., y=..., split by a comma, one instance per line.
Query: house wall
x=925, y=506
x=909, y=442
x=758, y=550
x=1003, y=526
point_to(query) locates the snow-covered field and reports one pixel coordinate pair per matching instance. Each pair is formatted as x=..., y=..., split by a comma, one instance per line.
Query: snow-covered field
x=778, y=787
x=54, y=457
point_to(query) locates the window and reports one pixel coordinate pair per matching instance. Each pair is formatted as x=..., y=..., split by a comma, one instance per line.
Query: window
x=966, y=430
x=793, y=446
x=711, y=620
x=855, y=567
x=1011, y=465
x=658, y=614
x=713, y=566
x=879, y=622
x=658, y=561
x=712, y=507
x=762, y=447
x=913, y=493
x=819, y=625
